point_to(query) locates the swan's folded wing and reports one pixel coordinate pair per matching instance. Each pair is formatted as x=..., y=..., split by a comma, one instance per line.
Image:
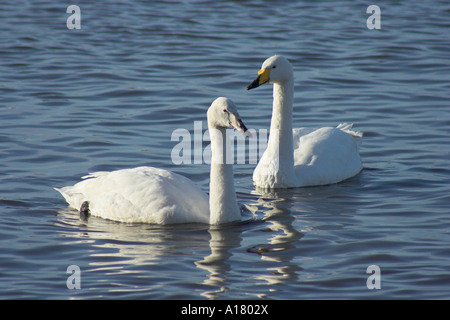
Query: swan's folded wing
x=345, y=127
x=300, y=132
x=143, y=194
x=325, y=156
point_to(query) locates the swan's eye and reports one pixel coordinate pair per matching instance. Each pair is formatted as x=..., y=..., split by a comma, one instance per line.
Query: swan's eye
x=225, y=110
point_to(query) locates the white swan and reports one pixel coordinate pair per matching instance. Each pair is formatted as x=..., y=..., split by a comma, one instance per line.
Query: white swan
x=301, y=157
x=152, y=195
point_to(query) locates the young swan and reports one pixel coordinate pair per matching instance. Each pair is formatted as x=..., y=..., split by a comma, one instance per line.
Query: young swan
x=301, y=157
x=152, y=195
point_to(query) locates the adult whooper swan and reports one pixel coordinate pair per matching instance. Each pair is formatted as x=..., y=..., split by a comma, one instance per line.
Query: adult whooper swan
x=152, y=195
x=301, y=157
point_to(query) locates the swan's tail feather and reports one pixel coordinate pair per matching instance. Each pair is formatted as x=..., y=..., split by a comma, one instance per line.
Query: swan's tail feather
x=346, y=127
x=95, y=175
x=74, y=199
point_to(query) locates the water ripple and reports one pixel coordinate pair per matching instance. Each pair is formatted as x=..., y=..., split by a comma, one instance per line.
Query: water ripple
x=108, y=96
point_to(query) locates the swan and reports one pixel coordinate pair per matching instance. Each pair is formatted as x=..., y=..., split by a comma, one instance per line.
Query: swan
x=153, y=195
x=301, y=157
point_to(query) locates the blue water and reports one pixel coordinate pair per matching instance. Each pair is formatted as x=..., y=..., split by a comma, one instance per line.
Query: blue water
x=109, y=95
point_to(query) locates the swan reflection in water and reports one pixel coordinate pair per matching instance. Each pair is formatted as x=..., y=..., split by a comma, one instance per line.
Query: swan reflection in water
x=275, y=249
x=110, y=252
x=263, y=254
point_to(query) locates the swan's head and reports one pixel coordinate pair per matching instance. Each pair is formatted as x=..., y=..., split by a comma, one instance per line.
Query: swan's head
x=223, y=114
x=275, y=69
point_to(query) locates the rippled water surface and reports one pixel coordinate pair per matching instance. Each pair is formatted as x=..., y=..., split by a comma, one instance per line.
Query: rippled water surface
x=109, y=95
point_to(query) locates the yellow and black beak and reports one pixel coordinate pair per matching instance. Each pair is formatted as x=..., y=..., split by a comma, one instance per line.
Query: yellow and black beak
x=263, y=77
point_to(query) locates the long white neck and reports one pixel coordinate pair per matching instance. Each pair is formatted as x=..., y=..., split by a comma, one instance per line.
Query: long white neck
x=222, y=196
x=280, y=142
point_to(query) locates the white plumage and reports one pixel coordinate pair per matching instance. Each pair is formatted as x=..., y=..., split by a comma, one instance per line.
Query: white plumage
x=143, y=194
x=301, y=157
x=153, y=195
